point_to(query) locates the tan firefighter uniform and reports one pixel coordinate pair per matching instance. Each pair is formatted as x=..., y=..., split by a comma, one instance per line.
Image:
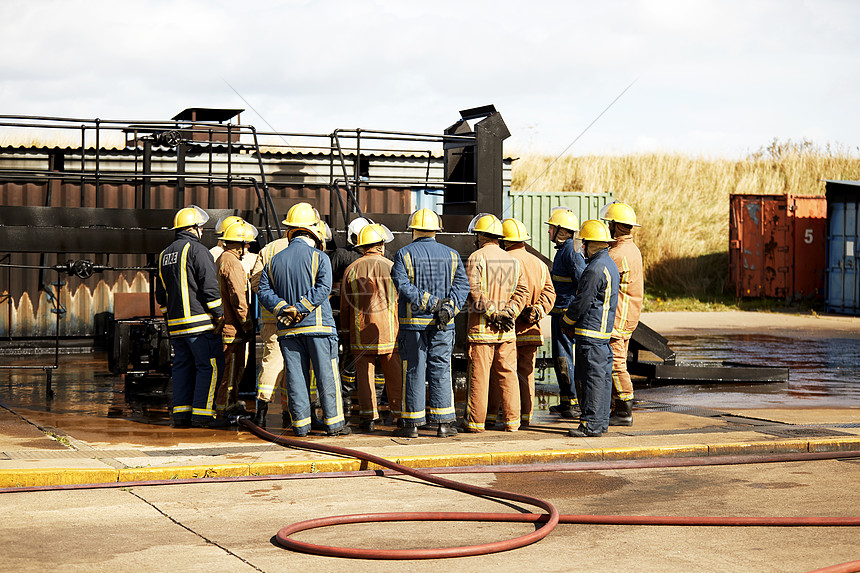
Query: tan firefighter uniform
x=631, y=290
x=496, y=281
x=271, y=374
x=368, y=305
x=529, y=336
x=238, y=326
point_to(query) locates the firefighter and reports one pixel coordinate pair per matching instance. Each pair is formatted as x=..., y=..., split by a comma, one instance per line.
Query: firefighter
x=294, y=287
x=221, y=226
x=540, y=301
x=271, y=374
x=631, y=290
x=341, y=258
x=238, y=329
x=590, y=318
x=567, y=266
x=187, y=293
x=432, y=288
x=368, y=307
x=497, y=294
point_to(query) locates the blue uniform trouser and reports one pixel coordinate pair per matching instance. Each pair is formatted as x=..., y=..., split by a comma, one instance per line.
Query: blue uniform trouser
x=594, y=376
x=198, y=365
x=301, y=353
x=563, y=361
x=426, y=358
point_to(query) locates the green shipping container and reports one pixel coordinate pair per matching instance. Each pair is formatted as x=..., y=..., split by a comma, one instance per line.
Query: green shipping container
x=534, y=208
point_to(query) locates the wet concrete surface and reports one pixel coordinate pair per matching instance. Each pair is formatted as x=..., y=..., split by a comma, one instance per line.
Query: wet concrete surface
x=823, y=373
x=230, y=526
x=221, y=526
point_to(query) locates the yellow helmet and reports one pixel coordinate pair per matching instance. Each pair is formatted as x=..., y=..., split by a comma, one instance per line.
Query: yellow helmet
x=425, y=220
x=191, y=216
x=323, y=231
x=224, y=222
x=515, y=230
x=486, y=223
x=564, y=218
x=594, y=230
x=620, y=213
x=373, y=234
x=301, y=215
x=240, y=232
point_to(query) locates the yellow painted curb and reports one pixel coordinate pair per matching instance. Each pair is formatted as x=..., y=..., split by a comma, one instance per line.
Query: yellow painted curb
x=183, y=472
x=441, y=461
x=834, y=444
x=545, y=456
x=304, y=467
x=753, y=448
x=11, y=478
x=56, y=476
x=654, y=452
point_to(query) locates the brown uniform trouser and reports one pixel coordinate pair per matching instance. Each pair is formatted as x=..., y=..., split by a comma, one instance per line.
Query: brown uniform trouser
x=492, y=365
x=622, y=386
x=365, y=378
x=234, y=369
x=271, y=376
x=526, y=355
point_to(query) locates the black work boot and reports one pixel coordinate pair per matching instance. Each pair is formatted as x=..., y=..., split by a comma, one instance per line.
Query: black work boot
x=405, y=432
x=366, y=426
x=582, y=432
x=567, y=411
x=623, y=415
x=446, y=430
x=262, y=408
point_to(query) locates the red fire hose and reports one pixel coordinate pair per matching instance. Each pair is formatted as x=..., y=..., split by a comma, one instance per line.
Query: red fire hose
x=548, y=520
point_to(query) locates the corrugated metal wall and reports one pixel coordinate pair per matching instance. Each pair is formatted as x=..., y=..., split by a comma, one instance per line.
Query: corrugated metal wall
x=533, y=209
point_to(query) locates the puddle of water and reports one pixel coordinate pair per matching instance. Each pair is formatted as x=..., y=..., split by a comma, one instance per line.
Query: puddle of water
x=823, y=373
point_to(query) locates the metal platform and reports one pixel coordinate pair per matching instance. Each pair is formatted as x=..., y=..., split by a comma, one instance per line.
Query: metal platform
x=671, y=371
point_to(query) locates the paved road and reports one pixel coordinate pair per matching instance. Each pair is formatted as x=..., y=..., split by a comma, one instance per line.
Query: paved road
x=229, y=526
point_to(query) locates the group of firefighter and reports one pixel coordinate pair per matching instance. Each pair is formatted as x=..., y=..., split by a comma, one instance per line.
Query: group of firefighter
x=399, y=315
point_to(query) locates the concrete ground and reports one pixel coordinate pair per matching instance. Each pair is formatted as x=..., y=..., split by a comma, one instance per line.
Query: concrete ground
x=229, y=526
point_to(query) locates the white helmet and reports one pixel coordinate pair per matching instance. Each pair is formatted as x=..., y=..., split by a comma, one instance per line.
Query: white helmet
x=354, y=228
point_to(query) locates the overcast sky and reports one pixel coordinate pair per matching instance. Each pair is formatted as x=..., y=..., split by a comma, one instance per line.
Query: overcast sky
x=716, y=78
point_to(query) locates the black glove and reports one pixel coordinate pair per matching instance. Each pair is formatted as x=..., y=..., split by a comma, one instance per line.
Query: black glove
x=443, y=317
x=505, y=319
x=532, y=314
x=434, y=308
x=289, y=316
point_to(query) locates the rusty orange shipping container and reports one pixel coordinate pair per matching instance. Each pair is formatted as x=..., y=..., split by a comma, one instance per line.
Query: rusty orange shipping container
x=777, y=246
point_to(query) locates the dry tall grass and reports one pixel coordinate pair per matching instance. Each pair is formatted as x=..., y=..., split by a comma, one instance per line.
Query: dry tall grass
x=683, y=202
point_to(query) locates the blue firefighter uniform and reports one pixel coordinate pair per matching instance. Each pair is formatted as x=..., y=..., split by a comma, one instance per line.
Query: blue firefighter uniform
x=423, y=272
x=301, y=276
x=566, y=270
x=187, y=292
x=591, y=314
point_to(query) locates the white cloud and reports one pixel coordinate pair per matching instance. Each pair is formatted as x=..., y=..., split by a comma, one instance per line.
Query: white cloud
x=712, y=76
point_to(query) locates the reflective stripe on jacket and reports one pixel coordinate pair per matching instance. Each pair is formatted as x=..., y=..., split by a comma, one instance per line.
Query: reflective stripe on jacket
x=496, y=282
x=263, y=258
x=423, y=272
x=567, y=266
x=631, y=287
x=187, y=286
x=368, y=305
x=299, y=276
x=541, y=292
x=592, y=310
